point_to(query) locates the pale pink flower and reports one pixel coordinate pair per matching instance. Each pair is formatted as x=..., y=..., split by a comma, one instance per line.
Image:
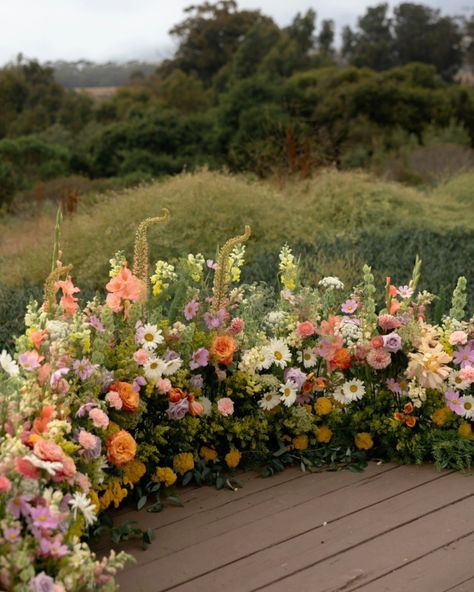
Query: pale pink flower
x=98, y=418
x=163, y=385
x=237, y=326
x=466, y=374
x=87, y=440
x=458, y=338
x=5, y=484
x=30, y=360
x=83, y=481
x=388, y=322
x=225, y=406
x=378, y=358
x=305, y=329
x=114, y=399
x=141, y=356
x=48, y=450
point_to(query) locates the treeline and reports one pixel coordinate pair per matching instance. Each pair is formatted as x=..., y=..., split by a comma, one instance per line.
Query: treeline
x=84, y=73
x=244, y=93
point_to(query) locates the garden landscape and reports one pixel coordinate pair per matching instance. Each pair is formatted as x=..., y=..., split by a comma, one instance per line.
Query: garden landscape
x=236, y=301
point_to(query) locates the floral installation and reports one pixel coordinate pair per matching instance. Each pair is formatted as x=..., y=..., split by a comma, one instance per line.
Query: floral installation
x=185, y=373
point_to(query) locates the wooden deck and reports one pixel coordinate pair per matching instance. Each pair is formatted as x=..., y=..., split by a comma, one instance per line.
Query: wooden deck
x=388, y=529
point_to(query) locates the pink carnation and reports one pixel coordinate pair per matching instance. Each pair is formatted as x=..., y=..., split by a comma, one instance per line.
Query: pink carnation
x=237, y=326
x=98, y=418
x=225, y=406
x=87, y=440
x=458, y=338
x=114, y=399
x=5, y=484
x=68, y=470
x=388, y=322
x=466, y=374
x=163, y=385
x=379, y=358
x=141, y=356
x=306, y=329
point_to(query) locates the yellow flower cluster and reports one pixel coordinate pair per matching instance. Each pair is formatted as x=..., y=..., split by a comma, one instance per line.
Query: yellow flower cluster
x=114, y=493
x=95, y=500
x=232, y=458
x=323, y=406
x=288, y=268
x=363, y=441
x=165, y=475
x=195, y=265
x=323, y=434
x=236, y=261
x=133, y=471
x=208, y=454
x=441, y=416
x=164, y=274
x=300, y=442
x=183, y=462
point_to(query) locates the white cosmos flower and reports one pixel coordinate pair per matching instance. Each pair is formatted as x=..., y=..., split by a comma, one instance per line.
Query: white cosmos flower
x=269, y=401
x=288, y=393
x=353, y=390
x=276, y=352
x=467, y=403
x=151, y=336
x=81, y=502
x=154, y=369
x=8, y=364
x=172, y=366
x=307, y=357
x=455, y=381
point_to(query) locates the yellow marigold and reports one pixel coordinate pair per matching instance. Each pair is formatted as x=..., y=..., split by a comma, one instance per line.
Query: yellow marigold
x=114, y=494
x=363, y=441
x=323, y=406
x=441, y=416
x=95, y=500
x=165, y=475
x=465, y=431
x=300, y=442
x=183, y=462
x=208, y=453
x=232, y=458
x=133, y=471
x=323, y=435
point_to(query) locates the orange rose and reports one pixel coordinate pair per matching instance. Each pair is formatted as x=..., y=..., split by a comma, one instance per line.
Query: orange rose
x=410, y=421
x=130, y=398
x=223, y=349
x=121, y=448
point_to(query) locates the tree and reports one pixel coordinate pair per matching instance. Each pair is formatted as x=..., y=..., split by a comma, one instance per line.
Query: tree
x=325, y=37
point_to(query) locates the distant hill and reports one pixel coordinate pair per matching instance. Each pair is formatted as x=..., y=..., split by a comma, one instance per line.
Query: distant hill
x=83, y=73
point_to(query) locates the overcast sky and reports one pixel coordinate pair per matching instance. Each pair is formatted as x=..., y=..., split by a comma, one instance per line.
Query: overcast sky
x=102, y=30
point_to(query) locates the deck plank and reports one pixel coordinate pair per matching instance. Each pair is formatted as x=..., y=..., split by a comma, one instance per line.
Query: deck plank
x=259, y=548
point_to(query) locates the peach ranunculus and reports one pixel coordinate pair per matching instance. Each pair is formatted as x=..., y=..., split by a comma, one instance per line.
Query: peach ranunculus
x=48, y=450
x=124, y=286
x=130, y=398
x=223, y=349
x=121, y=448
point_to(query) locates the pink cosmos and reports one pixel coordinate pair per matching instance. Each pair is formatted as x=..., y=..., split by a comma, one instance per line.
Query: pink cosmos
x=124, y=286
x=30, y=360
x=237, y=326
x=5, y=484
x=305, y=329
x=42, y=517
x=141, y=356
x=466, y=374
x=53, y=547
x=393, y=386
x=458, y=338
x=87, y=440
x=404, y=292
x=98, y=418
x=464, y=356
x=114, y=400
x=11, y=535
x=349, y=306
x=378, y=358
x=225, y=406
x=191, y=309
x=19, y=506
x=388, y=322
x=453, y=400
x=200, y=358
x=83, y=368
x=163, y=385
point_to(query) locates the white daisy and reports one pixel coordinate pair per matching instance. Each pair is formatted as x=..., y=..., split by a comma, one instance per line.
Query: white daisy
x=81, y=502
x=172, y=366
x=151, y=336
x=9, y=364
x=456, y=382
x=276, y=352
x=154, y=369
x=339, y=395
x=467, y=403
x=288, y=393
x=353, y=390
x=307, y=357
x=269, y=401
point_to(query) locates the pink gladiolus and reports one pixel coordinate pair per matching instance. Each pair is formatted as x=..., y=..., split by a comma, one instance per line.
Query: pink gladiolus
x=124, y=286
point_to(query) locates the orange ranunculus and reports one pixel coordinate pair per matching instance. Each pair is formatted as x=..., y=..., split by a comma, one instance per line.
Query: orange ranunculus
x=223, y=349
x=341, y=359
x=130, y=398
x=408, y=408
x=399, y=416
x=121, y=448
x=410, y=421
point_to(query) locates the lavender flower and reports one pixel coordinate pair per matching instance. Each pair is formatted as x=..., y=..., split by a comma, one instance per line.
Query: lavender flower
x=177, y=411
x=296, y=375
x=83, y=368
x=196, y=381
x=84, y=409
x=200, y=358
x=42, y=583
x=392, y=342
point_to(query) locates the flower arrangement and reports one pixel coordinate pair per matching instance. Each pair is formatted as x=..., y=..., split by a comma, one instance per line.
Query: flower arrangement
x=189, y=374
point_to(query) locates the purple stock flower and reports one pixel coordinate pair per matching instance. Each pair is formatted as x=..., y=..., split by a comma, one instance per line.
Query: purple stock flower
x=96, y=323
x=83, y=368
x=137, y=383
x=191, y=309
x=393, y=386
x=84, y=409
x=214, y=321
x=57, y=375
x=42, y=583
x=200, y=358
x=11, y=534
x=42, y=517
x=392, y=342
x=196, y=381
x=349, y=306
x=178, y=410
x=296, y=375
x=464, y=355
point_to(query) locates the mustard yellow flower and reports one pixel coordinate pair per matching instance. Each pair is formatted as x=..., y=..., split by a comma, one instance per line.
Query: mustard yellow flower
x=208, y=454
x=183, y=462
x=300, y=442
x=165, y=475
x=323, y=435
x=323, y=406
x=232, y=458
x=363, y=441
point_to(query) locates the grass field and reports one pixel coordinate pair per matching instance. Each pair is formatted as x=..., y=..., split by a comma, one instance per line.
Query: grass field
x=336, y=222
